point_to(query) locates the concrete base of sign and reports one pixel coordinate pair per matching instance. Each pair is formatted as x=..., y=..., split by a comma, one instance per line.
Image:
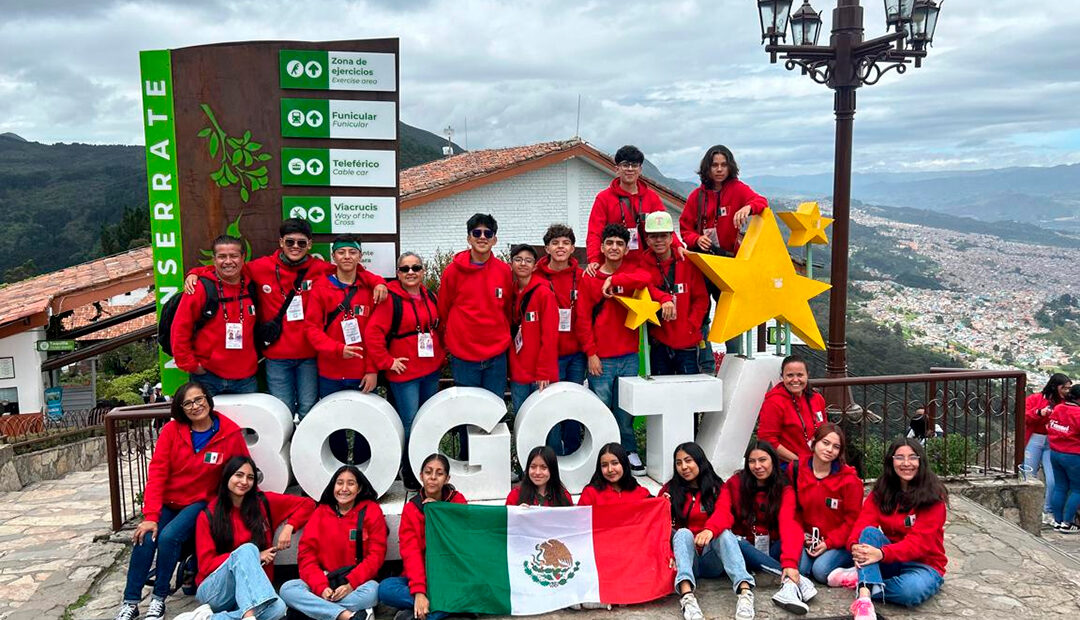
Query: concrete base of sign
x=272, y=427
x=724, y=435
x=668, y=422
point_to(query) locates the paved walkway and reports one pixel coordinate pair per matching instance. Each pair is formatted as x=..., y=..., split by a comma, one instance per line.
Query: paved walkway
x=49, y=560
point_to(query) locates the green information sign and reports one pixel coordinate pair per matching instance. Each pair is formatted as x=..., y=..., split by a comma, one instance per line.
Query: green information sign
x=338, y=167
x=56, y=345
x=374, y=215
x=328, y=70
x=338, y=118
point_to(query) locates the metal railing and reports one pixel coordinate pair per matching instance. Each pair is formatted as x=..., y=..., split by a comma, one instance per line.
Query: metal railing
x=130, y=434
x=28, y=432
x=974, y=419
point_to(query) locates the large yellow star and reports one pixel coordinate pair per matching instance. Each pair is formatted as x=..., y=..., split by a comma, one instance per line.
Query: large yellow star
x=759, y=284
x=639, y=308
x=806, y=224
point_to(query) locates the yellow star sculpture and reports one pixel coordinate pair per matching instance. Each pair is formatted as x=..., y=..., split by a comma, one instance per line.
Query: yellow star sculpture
x=759, y=284
x=806, y=224
x=639, y=308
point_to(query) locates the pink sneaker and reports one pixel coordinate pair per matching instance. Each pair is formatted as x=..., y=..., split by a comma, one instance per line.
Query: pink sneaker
x=863, y=609
x=843, y=577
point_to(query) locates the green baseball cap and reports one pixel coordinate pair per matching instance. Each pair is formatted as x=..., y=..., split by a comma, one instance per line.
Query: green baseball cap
x=659, y=222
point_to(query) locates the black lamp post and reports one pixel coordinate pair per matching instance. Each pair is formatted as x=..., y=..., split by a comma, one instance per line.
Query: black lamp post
x=844, y=65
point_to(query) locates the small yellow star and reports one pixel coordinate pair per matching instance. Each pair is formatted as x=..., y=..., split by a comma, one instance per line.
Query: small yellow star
x=806, y=224
x=639, y=308
x=759, y=284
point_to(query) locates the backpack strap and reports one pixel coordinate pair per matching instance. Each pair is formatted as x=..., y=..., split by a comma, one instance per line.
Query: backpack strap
x=350, y=292
x=525, y=299
x=397, y=312
x=701, y=204
x=360, y=535
x=210, y=306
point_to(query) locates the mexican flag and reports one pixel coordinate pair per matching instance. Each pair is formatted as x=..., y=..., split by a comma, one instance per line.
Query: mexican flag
x=521, y=561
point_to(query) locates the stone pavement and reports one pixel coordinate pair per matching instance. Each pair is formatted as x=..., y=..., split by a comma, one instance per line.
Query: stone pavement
x=995, y=568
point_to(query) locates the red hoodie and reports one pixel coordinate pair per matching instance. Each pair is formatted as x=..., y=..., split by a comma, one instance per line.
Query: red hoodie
x=914, y=535
x=405, y=344
x=591, y=497
x=830, y=504
x=474, y=307
x=681, y=279
x=733, y=195
x=514, y=498
x=608, y=209
x=329, y=340
x=411, y=540
x=606, y=335
x=1035, y=423
x=783, y=422
x=178, y=476
x=786, y=528
x=694, y=514
x=206, y=347
x=291, y=509
x=565, y=283
x=329, y=542
x=1063, y=429
x=538, y=325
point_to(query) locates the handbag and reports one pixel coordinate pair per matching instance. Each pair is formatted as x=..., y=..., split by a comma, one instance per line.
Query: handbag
x=340, y=576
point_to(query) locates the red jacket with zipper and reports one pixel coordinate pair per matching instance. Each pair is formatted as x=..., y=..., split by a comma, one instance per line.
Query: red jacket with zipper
x=326, y=295
x=378, y=327
x=786, y=528
x=178, y=476
x=329, y=542
x=474, y=307
x=684, y=282
x=566, y=284
x=538, y=322
x=291, y=509
x=608, y=336
x=206, y=347
x=609, y=209
x=693, y=511
x=914, y=535
x=411, y=539
x=1063, y=429
x=830, y=504
x=790, y=424
x=720, y=208
x=1035, y=423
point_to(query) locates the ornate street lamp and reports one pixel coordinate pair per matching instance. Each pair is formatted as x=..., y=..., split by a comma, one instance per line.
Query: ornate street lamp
x=844, y=65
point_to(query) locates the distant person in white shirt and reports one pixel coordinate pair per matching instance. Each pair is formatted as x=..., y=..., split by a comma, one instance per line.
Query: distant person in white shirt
x=918, y=428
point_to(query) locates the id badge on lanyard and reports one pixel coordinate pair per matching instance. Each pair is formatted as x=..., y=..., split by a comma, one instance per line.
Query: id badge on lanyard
x=710, y=233
x=234, y=336
x=565, y=314
x=296, y=309
x=761, y=543
x=425, y=345
x=350, y=329
x=519, y=340
x=633, y=245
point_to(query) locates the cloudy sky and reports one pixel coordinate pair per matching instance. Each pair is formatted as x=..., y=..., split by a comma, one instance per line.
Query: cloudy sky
x=1000, y=87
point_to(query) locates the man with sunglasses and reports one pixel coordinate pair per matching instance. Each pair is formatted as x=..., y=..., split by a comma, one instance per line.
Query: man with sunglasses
x=626, y=201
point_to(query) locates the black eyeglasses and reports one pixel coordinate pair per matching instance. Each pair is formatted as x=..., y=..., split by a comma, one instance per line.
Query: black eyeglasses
x=198, y=401
x=412, y=268
x=486, y=233
x=299, y=243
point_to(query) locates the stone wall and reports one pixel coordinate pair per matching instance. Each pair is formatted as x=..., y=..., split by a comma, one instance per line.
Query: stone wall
x=17, y=471
x=1019, y=502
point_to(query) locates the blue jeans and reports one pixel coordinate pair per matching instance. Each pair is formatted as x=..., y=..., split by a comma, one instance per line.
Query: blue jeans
x=1066, y=499
x=709, y=563
x=900, y=583
x=239, y=585
x=756, y=560
x=339, y=440
x=294, y=382
x=216, y=385
x=297, y=595
x=519, y=392
x=565, y=437
x=1036, y=455
x=706, y=361
x=394, y=592
x=604, y=386
x=489, y=374
x=573, y=367
x=820, y=567
x=410, y=395
x=668, y=361
x=175, y=527
x=331, y=386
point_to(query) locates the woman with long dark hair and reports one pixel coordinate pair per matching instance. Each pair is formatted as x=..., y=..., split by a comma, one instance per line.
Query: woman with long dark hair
x=612, y=482
x=541, y=485
x=342, y=549
x=184, y=472
x=1037, y=410
x=408, y=592
x=714, y=211
x=758, y=511
x=792, y=412
x=234, y=539
x=1063, y=433
x=828, y=497
x=898, y=541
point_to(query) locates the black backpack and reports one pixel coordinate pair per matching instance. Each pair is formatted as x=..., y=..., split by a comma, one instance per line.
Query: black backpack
x=209, y=309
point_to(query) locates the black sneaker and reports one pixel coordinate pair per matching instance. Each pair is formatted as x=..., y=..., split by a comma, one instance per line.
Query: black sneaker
x=127, y=611
x=404, y=614
x=637, y=468
x=188, y=569
x=156, y=611
x=1067, y=528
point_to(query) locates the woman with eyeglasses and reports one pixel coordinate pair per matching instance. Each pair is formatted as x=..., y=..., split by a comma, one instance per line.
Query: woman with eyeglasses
x=403, y=341
x=183, y=474
x=898, y=541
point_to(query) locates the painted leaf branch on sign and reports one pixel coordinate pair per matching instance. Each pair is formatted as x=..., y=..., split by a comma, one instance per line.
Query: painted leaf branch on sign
x=232, y=230
x=239, y=157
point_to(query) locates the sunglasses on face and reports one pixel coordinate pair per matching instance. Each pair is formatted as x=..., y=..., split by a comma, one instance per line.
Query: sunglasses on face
x=486, y=233
x=412, y=268
x=299, y=243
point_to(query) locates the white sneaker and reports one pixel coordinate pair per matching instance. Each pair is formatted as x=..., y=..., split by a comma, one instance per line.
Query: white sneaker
x=744, y=605
x=637, y=468
x=1048, y=519
x=127, y=611
x=787, y=597
x=156, y=610
x=690, y=608
x=202, y=612
x=596, y=606
x=807, y=590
